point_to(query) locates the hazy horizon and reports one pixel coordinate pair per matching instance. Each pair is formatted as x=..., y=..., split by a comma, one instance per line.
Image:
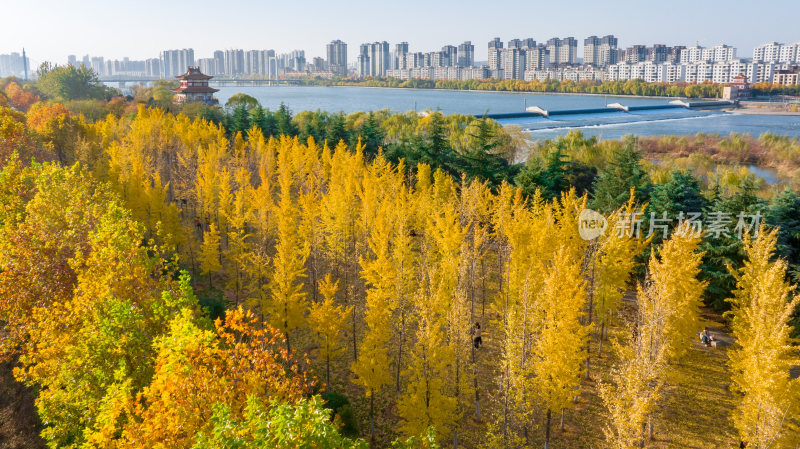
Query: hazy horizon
x=144, y=30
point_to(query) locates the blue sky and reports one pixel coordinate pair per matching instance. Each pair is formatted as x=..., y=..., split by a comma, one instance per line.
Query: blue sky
x=52, y=29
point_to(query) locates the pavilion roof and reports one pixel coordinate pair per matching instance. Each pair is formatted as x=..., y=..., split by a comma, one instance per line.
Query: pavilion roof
x=194, y=73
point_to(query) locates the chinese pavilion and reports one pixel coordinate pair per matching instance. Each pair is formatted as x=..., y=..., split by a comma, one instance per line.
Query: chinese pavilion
x=194, y=88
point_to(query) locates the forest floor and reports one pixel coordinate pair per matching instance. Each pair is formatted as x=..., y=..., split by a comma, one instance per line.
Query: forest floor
x=694, y=411
x=19, y=423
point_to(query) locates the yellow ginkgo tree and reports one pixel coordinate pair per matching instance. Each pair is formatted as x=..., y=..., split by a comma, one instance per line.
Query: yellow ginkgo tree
x=327, y=321
x=762, y=357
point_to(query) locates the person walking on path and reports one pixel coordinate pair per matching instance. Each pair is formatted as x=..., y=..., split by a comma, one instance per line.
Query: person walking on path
x=476, y=336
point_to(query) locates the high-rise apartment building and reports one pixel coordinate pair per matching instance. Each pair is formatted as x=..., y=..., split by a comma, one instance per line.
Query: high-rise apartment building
x=600, y=52
x=219, y=61
x=337, y=57
x=591, y=47
x=636, y=53
x=514, y=58
x=436, y=59
x=696, y=53
x=658, y=53
x=776, y=52
x=719, y=53
x=494, y=57
x=209, y=66
x=364, y=68
x=129, y=68
x=513, y=61
x=374, y=59
x=253, y=62
x=789, y=53
x=674, y=55
x=175, y=62
x=537, y=58
x=99, y=66
x=400, y=52
x=450, y=55
x=563, y=51
x=14, y=64
x=152, y=67
x=380, y=58
x=768, y=52
x=233, y=62
x=318, y=64
x=295, y=60
x=466, y=54
x=691, y=54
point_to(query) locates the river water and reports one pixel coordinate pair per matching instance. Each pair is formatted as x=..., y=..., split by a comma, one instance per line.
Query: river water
x=604, y=125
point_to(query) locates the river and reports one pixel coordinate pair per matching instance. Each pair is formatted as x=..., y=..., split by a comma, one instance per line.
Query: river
x=602, y=125
x=605, y=125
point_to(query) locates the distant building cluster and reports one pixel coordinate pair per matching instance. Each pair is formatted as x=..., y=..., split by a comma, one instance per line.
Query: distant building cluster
x=603, y=60
x=451, y=62
x=171, y=63
x=125, y=67
x=14, y=64
x=234, y=63
x=517, y=59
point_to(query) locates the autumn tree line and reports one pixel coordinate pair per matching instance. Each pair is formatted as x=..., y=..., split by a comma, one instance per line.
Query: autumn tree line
x=627, y=87
x=172, y=282
x=637, y=87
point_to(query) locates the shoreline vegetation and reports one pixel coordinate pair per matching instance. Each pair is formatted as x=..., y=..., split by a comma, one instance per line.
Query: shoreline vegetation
x=225, y=277
x=767, y=108
x=636, y=87
x=750, y=107
x=510, y=92
x=622, y=88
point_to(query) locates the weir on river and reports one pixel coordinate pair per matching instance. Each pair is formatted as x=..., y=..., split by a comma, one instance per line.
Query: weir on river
x=536, y=111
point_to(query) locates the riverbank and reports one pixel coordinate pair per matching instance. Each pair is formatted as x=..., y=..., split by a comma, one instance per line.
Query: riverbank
x=516, y=92
x=767, y=108
x=550, y=86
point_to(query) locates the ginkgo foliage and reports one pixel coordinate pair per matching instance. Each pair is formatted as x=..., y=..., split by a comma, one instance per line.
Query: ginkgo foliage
x=167, y=282
x=763, y=357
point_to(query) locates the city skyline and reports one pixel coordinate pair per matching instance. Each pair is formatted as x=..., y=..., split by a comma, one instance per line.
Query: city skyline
x=206, y=27
x=521, y=59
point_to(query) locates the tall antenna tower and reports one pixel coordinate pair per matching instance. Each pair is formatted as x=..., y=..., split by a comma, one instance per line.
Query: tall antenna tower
x=25, y=64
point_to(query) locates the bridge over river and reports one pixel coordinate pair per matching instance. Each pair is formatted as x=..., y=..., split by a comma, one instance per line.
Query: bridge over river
x=123, y=81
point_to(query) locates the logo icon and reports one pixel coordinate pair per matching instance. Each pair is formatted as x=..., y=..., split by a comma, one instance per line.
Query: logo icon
x=591, y=224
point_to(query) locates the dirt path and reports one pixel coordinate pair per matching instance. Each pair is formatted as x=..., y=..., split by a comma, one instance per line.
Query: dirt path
x=19, y=424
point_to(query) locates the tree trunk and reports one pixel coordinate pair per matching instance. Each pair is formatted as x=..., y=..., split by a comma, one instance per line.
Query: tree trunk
x=483, y=291
x=650, y=427
x=355, y=348
x=547, y=430
x=590, y=310
x=455, y=439
x=372, y=418
x=600, y=340
x=400, y=350
x=561, y=426
x=505, y=410
x=644, y=427
x=328, y=369
x=477, y=400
